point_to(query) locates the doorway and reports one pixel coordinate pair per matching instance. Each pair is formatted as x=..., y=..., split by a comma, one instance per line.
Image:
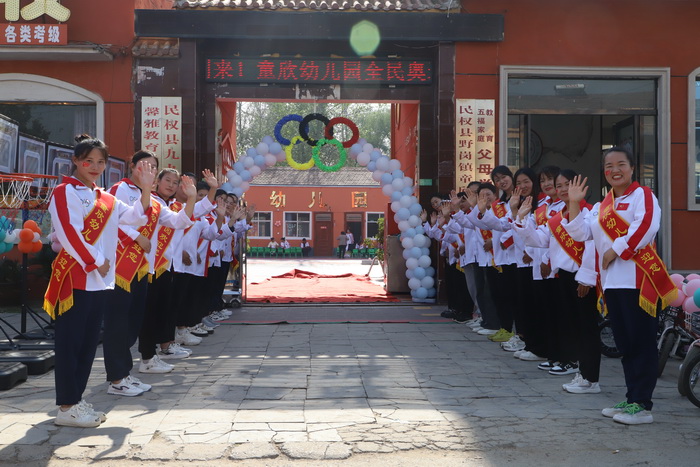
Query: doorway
x=353, y=224
x=323, y=234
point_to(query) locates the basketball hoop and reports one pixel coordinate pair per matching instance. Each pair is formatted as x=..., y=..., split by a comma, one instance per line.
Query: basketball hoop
x=14, y=190
x=39, y=191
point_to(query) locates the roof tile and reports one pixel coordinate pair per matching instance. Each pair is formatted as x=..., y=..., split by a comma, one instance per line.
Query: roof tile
x=323, y=5
x=285, y=176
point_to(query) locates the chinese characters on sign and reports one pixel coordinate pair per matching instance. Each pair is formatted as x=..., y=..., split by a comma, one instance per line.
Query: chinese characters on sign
x=277, y=199
x=359, y=199
x=161, y=129
x=33, y=34
x=229, y=70
x=320, y=200
x=475, y=155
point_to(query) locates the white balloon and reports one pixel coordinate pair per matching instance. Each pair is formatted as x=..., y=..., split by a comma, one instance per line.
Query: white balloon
x=236, y=180
x=397, y=184
x=421, y=240
x=424, y=261
x=403, y=226
x=383, y=163
x=403, y=214
x=395, y=206
x=281, y=156
x=405, y=201
x=255, y=171
x=363, y=159
x=245, y=186
x=37, y=237
x=230, y=174
x=11, y=237
x=414, y=221
x=407, y=242
x=377, y=175
x=411, y=263
x=388, y=190
x=414, y=283
x=248, y=162
x=394, y=164
x=367, y=148
x=270, y=160
x=427, y=282
x=262, y=148
x=407, y=181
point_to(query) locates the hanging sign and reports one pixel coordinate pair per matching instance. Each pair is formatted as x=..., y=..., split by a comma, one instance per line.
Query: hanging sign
x=161, y=129
x=476, y=141
x=14, y=33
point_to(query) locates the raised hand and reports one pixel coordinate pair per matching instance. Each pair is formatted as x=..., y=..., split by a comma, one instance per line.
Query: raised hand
x=525, y=208
x=578, y=189
x=483, y=202
x=423, y=216
x=471, y=198
x=446, y=208
x=210, y=178
x=433, y=218
x=515, y=199
x=144, y=175
x=188, y=187
x=454, y=200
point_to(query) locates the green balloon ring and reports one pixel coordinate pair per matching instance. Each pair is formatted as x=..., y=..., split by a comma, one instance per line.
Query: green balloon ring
x=317, y=158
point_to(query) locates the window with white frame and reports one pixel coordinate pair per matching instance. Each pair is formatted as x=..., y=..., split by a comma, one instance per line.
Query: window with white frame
x=694, y=141
x=262, y=225
x=373, y=223
x=297, y=225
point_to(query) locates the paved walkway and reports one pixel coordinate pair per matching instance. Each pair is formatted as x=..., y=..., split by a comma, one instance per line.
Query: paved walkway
x=424, y=393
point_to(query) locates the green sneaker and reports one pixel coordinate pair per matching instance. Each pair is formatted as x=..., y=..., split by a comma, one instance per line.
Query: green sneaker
x=499, y=333
x=610, y=412
x=505, y=337
x=634, y=414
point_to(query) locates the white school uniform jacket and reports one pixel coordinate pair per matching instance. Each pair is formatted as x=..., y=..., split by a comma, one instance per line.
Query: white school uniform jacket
x=500, y=228
x=640, y=208
x=70, y=203
x=229, y=237
x=497, y=256
x=460, y=224
x=541, y=237
x=201, y=208
x=126, y=191
x=540, y=255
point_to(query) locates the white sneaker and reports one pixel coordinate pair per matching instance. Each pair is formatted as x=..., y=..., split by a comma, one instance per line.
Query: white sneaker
x=178, y=347
x=197, y=331
x=101, y=415
x=575, y=381
x=487, y=332
x=583, y=387
x=210, y=323
x=634, y=414
x=138, y=383
x=513, y=344
x=155, y=365
x=216, y=316
x=225, y=312
x=531, y=357
x=208, y=329
x=477, y=329
x=79, y=415
x=123, y=388
x=518, y=353
x=173, y=351
x=184, y=336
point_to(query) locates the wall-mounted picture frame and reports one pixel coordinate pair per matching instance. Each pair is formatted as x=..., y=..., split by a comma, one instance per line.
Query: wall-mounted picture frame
x=9, y=135
x=31, y=156
x=58, y=160
x=116, y=170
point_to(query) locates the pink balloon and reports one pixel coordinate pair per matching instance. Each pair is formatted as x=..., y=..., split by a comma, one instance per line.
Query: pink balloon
x=689, y=306
x=691, y=277
x=677, y=279
x=691, y=287
x=680, y=300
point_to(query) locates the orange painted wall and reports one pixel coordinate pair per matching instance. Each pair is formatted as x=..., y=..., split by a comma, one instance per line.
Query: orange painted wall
x=599, y=33
x=338, y=200
x=110, y=22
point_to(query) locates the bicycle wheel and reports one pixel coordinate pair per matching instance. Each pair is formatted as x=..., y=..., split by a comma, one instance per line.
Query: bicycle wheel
x=608, y=347
x=665, y=347
x=690, y=379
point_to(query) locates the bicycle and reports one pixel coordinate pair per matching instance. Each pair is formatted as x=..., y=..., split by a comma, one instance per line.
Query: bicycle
x=689, y=377
x=675, y=335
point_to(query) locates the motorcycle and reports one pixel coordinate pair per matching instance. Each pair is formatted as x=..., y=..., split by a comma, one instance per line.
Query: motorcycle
x=689, y=377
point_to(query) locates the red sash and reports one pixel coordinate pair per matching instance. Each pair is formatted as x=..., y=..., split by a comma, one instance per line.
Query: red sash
x=499, y=209
x=656, y=283
x=571, y=247
x=165, y=236
x=541, y=214
x=64, y=271
x=131, y=258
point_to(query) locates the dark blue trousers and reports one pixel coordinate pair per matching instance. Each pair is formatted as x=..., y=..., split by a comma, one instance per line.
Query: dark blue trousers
x=77, y=334
x=635, y=336
x=123, y=320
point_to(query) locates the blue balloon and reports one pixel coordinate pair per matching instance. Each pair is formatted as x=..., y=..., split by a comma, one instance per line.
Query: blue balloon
x=372, y=166
x=425, y=251
x=409, y=273
x=432, y=292
x=259, y=160
x=386, y=179
x=421, y=293
x=375, y=154
x=251, y=152
x=238, y=167
x=275, y=148
x=430, y=271
x=227, y=187
x=419, y=273
x=356, y=148
x=238, y=191
x=409, y=233
x=415, y=253
x=415, y=209
x=419, y=229
x=246, y=176
x=413, y=293
x=403, y=214
x=407, y=191
x=268, y=140
x=397, y=173
x=395, y=196
x=406, y=254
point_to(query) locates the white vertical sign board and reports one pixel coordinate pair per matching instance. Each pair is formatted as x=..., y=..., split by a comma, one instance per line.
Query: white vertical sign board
x=161, y=129
x=475, y=141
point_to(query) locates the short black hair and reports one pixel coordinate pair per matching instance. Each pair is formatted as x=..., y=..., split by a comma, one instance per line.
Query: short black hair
x=488, y=186
x=625, y=151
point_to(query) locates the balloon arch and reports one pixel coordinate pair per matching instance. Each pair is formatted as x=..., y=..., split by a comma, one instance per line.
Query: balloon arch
x=386, y=171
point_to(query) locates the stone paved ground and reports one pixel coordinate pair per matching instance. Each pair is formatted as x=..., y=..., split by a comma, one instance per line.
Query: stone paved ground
x=350, y=394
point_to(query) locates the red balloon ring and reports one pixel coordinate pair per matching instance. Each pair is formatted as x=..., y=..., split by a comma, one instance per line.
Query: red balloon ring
x=347, y=122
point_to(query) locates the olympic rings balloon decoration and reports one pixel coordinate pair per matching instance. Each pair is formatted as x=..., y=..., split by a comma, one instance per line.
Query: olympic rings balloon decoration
x=317, y=159
x=347, y=122
x=304, y=127
x=282, y=122
x=294, y=164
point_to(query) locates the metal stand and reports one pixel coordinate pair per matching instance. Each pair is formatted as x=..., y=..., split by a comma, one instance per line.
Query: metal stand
x=381, y=265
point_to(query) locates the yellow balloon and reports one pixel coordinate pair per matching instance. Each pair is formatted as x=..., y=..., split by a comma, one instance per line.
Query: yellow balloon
x=292, y=163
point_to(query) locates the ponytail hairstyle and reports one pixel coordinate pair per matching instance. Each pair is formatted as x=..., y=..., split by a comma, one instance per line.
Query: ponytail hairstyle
x=529, y=173
x=85, y=145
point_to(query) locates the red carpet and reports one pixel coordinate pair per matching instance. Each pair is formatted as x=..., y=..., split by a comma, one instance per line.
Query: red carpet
x=303, y=286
